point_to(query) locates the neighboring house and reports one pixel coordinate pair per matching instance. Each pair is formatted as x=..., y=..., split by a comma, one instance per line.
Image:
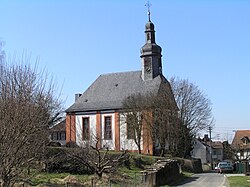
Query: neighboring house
x=241, y=144
x=58, y=134
x=217, y=152
x=202, y=149
x=199, y=150
x=96, y=114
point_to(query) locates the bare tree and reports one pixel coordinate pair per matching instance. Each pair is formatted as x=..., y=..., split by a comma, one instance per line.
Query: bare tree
x=194, y=107
x=134, y=108
x=172, y=118
x=89, y=152
x=195, y=113
x=96, y=159
x=165, y=123
x=28, y=106
x=157, y=114
x=2, y=53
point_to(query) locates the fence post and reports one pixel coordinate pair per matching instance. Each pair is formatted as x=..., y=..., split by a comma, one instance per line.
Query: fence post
x=109, y=183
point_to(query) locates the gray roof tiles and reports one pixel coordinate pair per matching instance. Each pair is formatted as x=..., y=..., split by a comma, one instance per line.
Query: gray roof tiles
x=109, y=90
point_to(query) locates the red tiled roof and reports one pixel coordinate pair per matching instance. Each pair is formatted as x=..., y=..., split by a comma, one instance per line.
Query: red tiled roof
x=237, y=141
x=216, y=145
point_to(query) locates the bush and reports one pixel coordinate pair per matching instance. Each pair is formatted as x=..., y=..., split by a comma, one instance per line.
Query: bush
x=71, y=144
x=56, y=160
x=191, y=165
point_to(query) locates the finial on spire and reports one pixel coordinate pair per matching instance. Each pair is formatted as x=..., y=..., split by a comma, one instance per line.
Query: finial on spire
x=148, y=5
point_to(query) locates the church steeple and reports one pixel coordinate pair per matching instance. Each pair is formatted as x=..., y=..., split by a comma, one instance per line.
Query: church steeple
x=148, y=5
x=150, y=53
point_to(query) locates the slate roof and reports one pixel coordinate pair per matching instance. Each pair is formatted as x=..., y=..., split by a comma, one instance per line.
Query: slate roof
x=109, y=90
x=59, y=127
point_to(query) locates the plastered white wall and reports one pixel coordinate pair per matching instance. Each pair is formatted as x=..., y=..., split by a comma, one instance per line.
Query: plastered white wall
x=92, y=129
x=127, y=144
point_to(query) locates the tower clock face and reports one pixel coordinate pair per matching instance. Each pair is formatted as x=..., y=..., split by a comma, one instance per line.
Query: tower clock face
x=147, y=65
x=148, y=69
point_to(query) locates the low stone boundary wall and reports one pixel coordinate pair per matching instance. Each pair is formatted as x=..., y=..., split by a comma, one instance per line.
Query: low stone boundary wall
x=193, y=165
x=161, y=173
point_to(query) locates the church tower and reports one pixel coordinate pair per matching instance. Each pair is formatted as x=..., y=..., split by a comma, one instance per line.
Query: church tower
x=150, y=54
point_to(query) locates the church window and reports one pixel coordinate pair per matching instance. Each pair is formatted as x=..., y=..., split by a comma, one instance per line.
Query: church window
x=159, y=65
x=85, y=128
x=148, y=36
x=107, y=128
x=131, y=120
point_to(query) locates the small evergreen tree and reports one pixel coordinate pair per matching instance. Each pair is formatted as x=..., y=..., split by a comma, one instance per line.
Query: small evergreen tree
x=228, y=153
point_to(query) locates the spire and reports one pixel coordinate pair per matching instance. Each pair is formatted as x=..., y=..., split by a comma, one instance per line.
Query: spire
x=150, y=52
x=150, y=48
x=148, y=5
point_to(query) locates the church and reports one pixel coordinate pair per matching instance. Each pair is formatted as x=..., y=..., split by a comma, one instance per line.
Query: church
x=97, y=112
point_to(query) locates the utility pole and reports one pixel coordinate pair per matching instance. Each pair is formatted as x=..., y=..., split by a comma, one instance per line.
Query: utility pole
x=211, y=151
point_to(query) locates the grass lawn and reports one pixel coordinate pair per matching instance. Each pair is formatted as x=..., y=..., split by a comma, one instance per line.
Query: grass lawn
x=129, y=173
x=133, y=179
x=55, y=178
x=239, y=181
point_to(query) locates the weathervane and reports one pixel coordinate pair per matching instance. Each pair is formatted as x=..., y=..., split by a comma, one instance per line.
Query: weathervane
x=148, y=5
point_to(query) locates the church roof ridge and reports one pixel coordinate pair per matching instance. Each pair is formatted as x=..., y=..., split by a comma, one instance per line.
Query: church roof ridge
x=120, y=72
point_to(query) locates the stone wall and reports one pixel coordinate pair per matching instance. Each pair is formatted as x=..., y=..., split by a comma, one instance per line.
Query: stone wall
x=193, y=165
x=161, y=173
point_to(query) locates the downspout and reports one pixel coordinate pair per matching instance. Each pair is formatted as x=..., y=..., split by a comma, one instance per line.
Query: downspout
x=70, y=128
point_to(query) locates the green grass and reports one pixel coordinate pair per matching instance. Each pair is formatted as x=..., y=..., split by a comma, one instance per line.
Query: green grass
x=130, y=173
x=44, y=177
x=239, y=181
x=134, y=178
x=132, y=170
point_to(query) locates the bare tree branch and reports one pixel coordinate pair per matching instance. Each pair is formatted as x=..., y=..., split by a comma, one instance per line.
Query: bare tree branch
x=96, y=159
x=28, y=106
x=194, y=107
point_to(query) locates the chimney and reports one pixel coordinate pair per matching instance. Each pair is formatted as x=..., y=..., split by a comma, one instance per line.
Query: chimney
x=206, y=138
x=77, y=96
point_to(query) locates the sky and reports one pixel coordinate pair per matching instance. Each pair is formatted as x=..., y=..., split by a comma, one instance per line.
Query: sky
x=204, y=41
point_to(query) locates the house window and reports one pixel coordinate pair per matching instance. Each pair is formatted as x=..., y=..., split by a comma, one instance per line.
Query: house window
x=85, y=128
x=62, y=136
x=219, y=152
x=54, y=136
x=107, y=128
x=130, y=126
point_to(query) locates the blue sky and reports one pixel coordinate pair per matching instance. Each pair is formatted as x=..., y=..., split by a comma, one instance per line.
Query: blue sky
x=206, y=41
